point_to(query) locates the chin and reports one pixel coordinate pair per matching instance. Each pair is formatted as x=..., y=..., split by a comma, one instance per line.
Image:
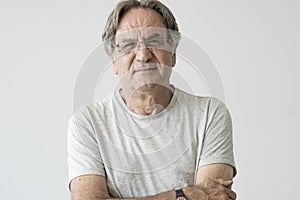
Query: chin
x=150, y=86
x=147, y=86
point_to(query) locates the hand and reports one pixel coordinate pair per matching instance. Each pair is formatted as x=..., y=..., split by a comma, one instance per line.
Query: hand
x=214, y=189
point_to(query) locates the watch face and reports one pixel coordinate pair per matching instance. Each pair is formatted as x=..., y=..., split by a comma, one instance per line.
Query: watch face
x=181, y=198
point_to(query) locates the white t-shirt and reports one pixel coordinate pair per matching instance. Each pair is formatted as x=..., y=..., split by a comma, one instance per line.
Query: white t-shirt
x=144, y=155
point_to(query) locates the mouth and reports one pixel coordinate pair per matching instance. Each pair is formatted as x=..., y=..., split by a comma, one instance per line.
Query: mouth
x=149, y=69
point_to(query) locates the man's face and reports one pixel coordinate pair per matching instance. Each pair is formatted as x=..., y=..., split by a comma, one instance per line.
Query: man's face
x=142, y=55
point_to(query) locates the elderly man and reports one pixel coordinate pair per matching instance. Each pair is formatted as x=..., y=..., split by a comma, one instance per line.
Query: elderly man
x=149, y=140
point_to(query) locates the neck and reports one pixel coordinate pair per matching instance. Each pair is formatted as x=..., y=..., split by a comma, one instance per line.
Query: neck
x=147, y=101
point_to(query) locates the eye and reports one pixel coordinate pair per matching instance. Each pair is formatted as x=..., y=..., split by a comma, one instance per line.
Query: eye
x=155, y=42
x=127, y=45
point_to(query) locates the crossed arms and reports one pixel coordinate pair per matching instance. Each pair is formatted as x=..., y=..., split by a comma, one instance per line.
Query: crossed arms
x=213, y=182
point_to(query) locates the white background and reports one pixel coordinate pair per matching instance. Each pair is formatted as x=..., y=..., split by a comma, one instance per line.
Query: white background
x=255, y=46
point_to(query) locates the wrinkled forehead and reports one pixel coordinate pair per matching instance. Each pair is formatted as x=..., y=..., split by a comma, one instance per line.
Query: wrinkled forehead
x=141, y=33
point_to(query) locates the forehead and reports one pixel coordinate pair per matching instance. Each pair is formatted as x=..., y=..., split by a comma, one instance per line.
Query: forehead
x=138, y=33
x=138, y=18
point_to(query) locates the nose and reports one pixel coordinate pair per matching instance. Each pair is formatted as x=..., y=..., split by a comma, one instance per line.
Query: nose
x=143, y=54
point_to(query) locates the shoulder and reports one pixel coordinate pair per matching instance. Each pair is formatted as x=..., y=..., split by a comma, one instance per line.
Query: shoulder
x=205, y=102
x=86, y=113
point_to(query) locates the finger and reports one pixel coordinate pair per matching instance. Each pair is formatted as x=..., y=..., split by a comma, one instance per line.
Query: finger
x=231, y=194
x=226, y=183
x=211, y=184
x=222, y=190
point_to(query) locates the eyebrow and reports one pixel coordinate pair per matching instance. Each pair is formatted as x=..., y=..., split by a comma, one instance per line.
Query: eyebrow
x=154, y=35
x=127, y=40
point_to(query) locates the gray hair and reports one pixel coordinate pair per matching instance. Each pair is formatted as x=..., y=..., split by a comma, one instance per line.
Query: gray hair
x=125, y=6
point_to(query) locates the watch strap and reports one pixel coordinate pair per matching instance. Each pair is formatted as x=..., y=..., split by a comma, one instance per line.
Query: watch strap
x=179, y=193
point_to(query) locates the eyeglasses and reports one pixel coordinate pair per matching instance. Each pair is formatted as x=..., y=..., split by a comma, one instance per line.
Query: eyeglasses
x=130, y=45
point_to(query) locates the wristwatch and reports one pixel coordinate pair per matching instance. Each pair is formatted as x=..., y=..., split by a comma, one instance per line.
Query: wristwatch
x=180, y=195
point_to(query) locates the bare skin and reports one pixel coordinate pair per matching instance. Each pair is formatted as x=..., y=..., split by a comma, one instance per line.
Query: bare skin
x=147, y=103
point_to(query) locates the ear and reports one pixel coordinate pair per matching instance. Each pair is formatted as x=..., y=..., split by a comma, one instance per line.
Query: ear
x=173, y=59
x=115, y=68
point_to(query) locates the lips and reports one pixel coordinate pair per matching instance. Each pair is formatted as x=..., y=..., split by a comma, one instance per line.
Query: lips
x=145, y=69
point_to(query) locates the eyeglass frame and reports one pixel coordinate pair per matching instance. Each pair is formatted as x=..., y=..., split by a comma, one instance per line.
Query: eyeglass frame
x=138, y=43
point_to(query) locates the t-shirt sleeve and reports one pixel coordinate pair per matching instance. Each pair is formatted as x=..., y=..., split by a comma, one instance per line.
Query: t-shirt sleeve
x=217, y=143
x=83, y=151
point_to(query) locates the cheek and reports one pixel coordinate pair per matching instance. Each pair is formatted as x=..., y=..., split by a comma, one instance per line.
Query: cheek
x=164, y=58
x=123, y=63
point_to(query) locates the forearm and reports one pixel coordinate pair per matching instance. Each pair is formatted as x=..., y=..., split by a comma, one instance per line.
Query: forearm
x=163, y=196
x=94, y=187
